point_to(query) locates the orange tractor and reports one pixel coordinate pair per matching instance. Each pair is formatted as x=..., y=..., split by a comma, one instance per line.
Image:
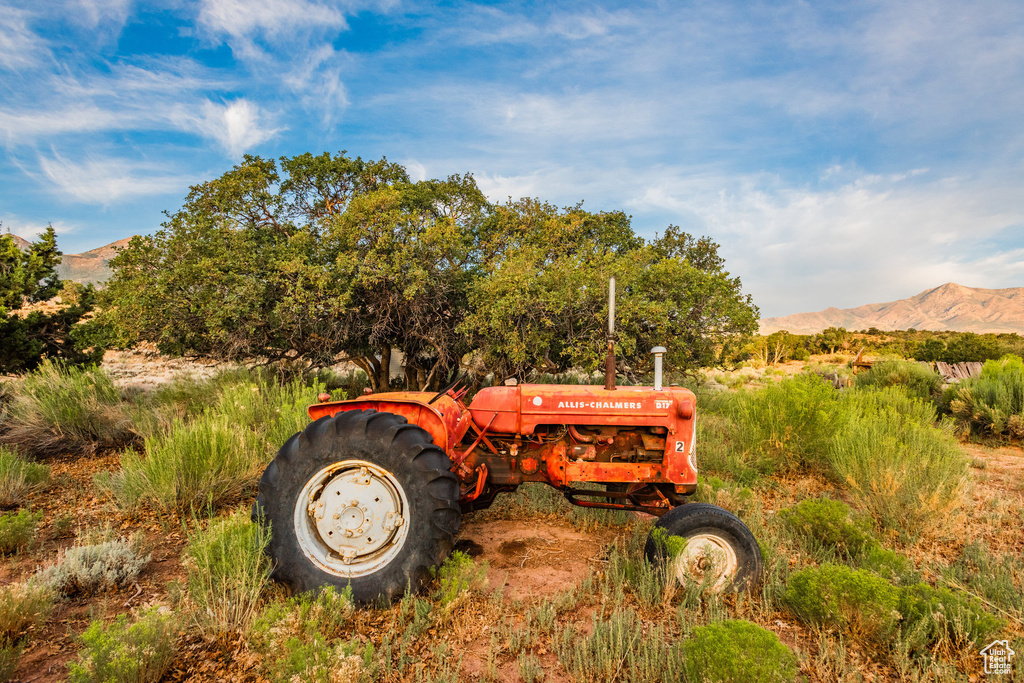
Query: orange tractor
x=372, y=492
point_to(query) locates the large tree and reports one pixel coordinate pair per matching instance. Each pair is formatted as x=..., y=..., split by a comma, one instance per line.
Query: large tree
x=323, y=258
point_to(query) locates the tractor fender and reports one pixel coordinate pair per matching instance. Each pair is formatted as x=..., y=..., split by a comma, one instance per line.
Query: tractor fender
x=442, y=419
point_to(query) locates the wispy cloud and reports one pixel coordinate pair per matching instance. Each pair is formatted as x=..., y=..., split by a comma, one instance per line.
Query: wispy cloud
x=106, y=180
x=20, y=46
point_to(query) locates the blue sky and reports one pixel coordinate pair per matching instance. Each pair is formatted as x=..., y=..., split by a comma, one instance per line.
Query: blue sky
x=841, y=153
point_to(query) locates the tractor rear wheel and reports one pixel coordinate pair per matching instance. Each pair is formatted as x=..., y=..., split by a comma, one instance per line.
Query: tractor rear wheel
x=719, y=549
x=360, y=499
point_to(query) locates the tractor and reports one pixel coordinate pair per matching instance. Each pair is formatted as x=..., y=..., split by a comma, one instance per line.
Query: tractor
x=371, y=493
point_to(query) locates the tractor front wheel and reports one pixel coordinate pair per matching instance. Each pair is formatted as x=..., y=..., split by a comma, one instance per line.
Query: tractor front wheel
x=360, y=499
x=717, y=549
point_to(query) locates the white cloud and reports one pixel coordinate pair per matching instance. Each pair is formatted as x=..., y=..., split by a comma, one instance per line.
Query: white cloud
x=30, y=230
x=871, y=239
x=97, y=12
x=106, y=180
x=237, y=126
x=240, y=18
x=20, y=47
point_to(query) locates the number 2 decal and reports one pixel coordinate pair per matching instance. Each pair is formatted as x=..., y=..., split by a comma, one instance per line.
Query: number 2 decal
x=679, y=447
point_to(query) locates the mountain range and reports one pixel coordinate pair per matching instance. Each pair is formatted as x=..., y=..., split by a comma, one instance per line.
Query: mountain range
x=948, y=307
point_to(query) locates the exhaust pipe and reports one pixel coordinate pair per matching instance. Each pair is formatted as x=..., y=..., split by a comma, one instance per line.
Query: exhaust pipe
x=658, y=352
x=609, y=359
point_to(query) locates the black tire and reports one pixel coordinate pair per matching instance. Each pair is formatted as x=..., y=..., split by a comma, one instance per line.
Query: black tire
x=381, y=468
x=709, y=530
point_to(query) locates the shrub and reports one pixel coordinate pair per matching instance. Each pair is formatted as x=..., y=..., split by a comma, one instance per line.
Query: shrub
x=203, y=464
x=854, y=600
x=19, y=477
x=998, y=579
x=90, y=569
x=18, y=531
x=933, y=615
x=227, y=572
x=736, y=651
x=58, y=409
x=137, y=653
x=789, y=424
x=907, y=473
x=210, y=461
x=992, y=404
x=22, y=609
x=829, y=523
x=917, y=379
x=458, y=576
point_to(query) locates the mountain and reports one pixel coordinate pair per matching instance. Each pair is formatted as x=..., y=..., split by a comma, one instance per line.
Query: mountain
x=949, y=307
x=90, y=266
x=87, y=267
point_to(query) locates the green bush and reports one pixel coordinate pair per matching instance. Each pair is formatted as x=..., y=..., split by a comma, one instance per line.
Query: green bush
x=227, y=572
x=998, y=579
x=18, y=477
x=933, y=615
x=90, y=569
x=907, y=472
x=121, y=653
x=57, y=409
x=992, y=404
x=830, y=524
x=737, y=651
x=210, y=461
x=18, y=531
x=917, y=379
x=789, y=425
x=853, y=600
x=23, y=608
x=198, y=465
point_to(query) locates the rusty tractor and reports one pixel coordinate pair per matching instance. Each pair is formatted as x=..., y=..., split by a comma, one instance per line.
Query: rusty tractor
x=372, y=492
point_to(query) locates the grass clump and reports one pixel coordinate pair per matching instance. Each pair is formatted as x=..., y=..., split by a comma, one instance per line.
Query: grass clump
x=227, y=572
x=19, y=477
x=126, y=653
x=302, y=637
x=853, y=600
x=457, y=577
x=908, y=473
x=991, y=405
x=917, y=379
x=91, y=569
x=57, y=409
x=203, y=464
x=23, y=608
x=736, y=651
x=18, y=531
x=619, y=648
x=213, y=459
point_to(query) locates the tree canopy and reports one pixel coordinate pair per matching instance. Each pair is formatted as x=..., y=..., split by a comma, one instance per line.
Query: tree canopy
x=325, y=258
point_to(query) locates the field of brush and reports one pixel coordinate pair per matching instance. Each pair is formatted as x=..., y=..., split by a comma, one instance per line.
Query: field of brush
x=889, y=514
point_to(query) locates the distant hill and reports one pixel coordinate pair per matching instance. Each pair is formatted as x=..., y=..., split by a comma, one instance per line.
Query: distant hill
x=87, y=267
x=949, y=307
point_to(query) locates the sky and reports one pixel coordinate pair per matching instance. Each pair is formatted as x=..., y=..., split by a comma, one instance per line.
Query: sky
x=841, y=153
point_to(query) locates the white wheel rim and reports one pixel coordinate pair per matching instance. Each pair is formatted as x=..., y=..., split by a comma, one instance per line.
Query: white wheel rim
x=706, y=557
x=352, y=518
